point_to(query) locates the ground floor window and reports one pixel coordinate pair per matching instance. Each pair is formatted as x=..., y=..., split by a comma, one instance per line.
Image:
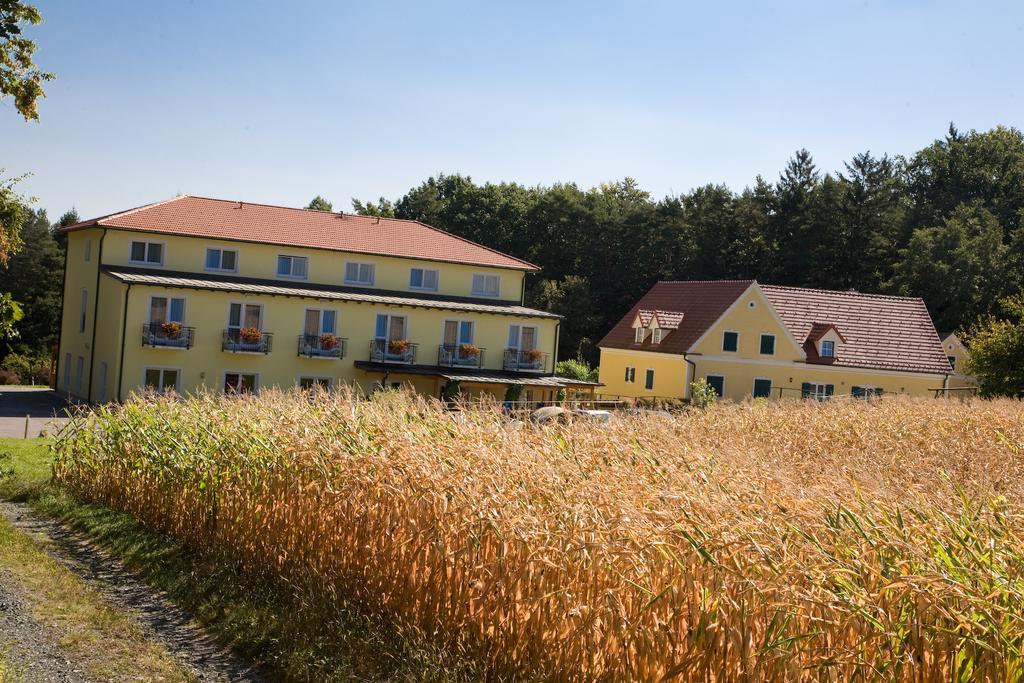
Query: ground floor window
x=865, y=392
x=312, y=382
x=816, y=390
x=240, y=382
x=162, y=380
x=79, y=375
x=649, y=380
x=630, y=375
x=67, y=371
x=762, y=388
x=717, y=382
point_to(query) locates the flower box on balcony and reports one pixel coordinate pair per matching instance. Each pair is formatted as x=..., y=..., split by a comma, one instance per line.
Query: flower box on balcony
x=533, y=355
x=469, y=351
x=328, y=342
x=398, y=346
x=171, y=330
x=250, y=335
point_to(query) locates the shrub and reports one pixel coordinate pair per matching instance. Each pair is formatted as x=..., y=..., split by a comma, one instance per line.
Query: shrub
x=702, y=394
x=575, y=368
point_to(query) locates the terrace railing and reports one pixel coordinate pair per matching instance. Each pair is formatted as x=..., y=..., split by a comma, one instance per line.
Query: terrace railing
x=317, y=346
x=525, y=361
x=457, y=356
x=163, y=335
x=390, y=351
x=234, y=342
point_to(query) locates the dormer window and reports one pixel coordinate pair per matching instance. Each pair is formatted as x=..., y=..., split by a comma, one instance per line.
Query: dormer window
x=828, y=349
x=656, y=336
x=640, y=334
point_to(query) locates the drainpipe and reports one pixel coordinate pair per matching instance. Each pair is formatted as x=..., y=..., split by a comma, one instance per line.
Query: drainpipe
x=124, y=327
x=554, y=354
x=693, y=377
x=95, y=312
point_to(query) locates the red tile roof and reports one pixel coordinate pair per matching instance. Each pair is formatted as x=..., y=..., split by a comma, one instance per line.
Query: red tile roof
x=248, y=222
x=667, y=320
x=881, y=332
x=700, y=303
x=818, y=330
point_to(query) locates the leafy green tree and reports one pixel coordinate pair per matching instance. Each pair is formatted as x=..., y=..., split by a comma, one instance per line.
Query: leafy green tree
x=577, y=369
x=571, y=298
x=997, y=351
x=320, y=204
x=19, y=77
x=34, y=275
x=960, y=268
x=10, y=314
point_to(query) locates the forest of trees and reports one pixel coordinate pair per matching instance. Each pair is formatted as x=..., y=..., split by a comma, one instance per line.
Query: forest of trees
x=944, y=224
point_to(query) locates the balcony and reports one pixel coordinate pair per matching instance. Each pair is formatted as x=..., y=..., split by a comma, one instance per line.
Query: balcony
x=247, y=340
x=393, y=351
x=460, y=356
x=322, y=346
x=167, y=335
x=525, y=361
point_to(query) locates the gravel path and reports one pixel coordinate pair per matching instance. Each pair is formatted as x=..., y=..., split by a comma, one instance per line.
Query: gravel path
x=160, y=619
x=29, y=649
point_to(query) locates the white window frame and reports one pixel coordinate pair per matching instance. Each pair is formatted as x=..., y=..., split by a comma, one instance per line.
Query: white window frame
x=736, y=332
x=359, y=265
x=241, y=319
x=832, y=344
x=184, y=308
x=519, y=337
x=208, y=269
x=224, y=380
x=83, y=314
x=458, y=329
x=483, y=292
x=775, y=343
x=320, y=326
x=88, y=251
x=656, y=335
x=162, y=369
x=639, y=335
x=293, y=258
x=753, y=386
x=146, y=262
x=423, y=279
x=630, y=374
x=298, y=380
x=79, y=375
x=867, y=388
x=815, y=393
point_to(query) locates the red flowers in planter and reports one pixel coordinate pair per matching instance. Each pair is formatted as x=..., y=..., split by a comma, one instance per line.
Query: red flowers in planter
x=328, y=342
x=398, y=345
x=469, y=351
x=171, y=330
x=250, y=335
x=534, y=355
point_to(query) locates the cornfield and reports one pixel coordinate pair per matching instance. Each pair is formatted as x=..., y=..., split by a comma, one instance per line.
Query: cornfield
x=786, y=541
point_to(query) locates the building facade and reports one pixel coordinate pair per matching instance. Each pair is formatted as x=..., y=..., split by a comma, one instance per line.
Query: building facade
x=235, y=296
x=752, y=340
x=961, y=383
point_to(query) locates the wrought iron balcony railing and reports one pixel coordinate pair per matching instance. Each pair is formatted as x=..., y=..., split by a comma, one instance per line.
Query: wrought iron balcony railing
x=169, y=335
x=322, y=346
x=525, y=361
x=393, y=351
x=236, y=342
x=460, y=356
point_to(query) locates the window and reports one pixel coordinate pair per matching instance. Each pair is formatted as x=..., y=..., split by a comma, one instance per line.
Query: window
x=716, y=382
x=82, y=310
x=423, y=279
x=164, y=309
x=314, y=382
x=79, y=375
x=768, y=344
x=486, y=285
x=952, y=361
x=88, y=250
x=828, y=349
x=240, y=382
x=320, y=321
x=240, y=317
x=389, y=329
x=457, y=332
x=816, y=390
x=390, y=326
x=296, y=267
x=224, y=260
x=630, y=375
x=731, y=342
x=67, y=371
x=649, y=380
x=639, y=335
x=656, y=336
x=762, y=388
x=360, y=274
x=101, y=390
x=522, y=337
x=147, y=253
x=161, y=380
x=866, y=392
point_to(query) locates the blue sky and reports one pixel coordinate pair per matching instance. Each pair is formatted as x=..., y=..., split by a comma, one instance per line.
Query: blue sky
x=279, y=101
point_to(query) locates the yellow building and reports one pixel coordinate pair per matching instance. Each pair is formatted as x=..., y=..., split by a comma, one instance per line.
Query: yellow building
x=234, y=296
x=748, y=339
x=960, y=382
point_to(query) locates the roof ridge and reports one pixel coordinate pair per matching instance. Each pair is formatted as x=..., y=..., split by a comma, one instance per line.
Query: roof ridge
x=119, y=214
x=844, y=292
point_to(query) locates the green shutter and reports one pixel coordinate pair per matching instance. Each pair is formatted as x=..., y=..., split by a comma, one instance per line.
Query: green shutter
x=857, y=392
x=805, y=390
x=829, y=389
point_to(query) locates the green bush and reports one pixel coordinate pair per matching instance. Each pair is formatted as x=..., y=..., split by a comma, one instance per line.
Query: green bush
x=575, y=368
x=702, y=394
x=27, y=369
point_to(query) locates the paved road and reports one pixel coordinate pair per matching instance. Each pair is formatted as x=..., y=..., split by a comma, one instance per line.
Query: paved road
x=44, y=407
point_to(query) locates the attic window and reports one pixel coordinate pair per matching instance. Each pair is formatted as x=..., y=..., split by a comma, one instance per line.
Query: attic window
x=656, y=335
x=640, y=334
x=828, y=349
